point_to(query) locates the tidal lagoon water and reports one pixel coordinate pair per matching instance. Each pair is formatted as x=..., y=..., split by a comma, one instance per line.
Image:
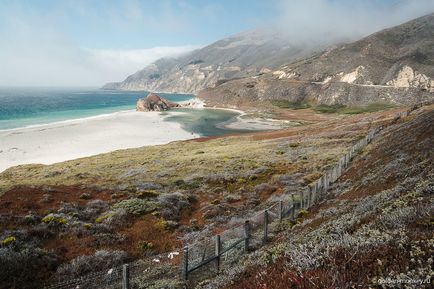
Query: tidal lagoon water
x=27, y=107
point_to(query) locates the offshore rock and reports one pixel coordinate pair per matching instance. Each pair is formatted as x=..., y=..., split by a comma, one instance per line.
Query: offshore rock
x=154, y=102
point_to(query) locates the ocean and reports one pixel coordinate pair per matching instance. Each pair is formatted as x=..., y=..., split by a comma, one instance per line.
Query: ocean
x=24, y=107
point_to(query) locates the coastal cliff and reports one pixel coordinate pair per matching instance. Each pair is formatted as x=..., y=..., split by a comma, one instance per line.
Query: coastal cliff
x=245, y=54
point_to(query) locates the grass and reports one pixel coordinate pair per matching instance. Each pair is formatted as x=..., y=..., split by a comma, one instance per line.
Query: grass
x=184, y=165
x=334, y=108
x=291, y=104
x=342, y=109
x=205, y=171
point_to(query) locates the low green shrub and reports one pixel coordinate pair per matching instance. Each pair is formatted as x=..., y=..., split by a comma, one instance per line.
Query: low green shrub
x=301, y=213
x=136, y=206
x=163, y=224
x=102, y=218
x=146, y=246
x=339, y=108
x=8, y=241
x=291, y=104
x=52, y=219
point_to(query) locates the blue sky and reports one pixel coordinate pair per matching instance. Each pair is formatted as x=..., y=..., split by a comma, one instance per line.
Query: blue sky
x=144, y=24
x=89, y=42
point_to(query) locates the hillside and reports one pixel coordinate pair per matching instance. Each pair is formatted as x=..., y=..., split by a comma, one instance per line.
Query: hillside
x=240, y=55
x=373, y=230
x=394, y=65
x=70, y=219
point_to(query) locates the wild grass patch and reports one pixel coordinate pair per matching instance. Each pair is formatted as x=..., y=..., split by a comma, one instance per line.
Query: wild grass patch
x=291, y=104
x=342, y=109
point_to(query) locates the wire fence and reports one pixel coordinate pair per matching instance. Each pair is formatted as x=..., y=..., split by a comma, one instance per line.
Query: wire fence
x=135, y=273
x=209, y=255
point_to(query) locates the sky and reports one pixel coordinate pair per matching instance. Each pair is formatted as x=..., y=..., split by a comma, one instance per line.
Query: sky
x=91, y=42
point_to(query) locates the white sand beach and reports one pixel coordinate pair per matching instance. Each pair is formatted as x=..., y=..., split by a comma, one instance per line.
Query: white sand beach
x=61, y=141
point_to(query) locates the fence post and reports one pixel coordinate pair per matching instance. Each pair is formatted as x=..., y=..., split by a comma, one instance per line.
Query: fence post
x=217, y=251
x=246, y=235
x=125, y=277
x=293, y=207
x=308, y=192
x=264, y=240
x=280, y=211
x=185, y=264
x=301, y=200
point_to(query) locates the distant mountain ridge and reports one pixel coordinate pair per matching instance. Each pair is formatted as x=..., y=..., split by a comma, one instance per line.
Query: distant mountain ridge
x=393, y=65
x=241, y=55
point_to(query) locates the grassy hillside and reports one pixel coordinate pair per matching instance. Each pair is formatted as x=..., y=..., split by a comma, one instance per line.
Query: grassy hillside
x=77, y=217
x=374, y=230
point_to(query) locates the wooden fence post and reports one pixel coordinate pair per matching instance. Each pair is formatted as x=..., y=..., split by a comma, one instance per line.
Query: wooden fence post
x=185, y=264
x=293, y=207
x=280, y=211
x=301, y=201
x=309, y=196
x=218, y=248
x=264, y=240
x=125, y=277
x=246, y=235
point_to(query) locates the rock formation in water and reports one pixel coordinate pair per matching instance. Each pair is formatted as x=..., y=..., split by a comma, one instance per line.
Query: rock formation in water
x=154, y=102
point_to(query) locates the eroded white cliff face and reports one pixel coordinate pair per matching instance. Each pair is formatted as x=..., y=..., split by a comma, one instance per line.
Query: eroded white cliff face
x=408, y=77
x=354, y=75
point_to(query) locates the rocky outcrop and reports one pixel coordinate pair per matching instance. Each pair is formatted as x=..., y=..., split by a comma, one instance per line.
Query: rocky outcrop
x=407, y=77
x=154, y=102
x=394, y=65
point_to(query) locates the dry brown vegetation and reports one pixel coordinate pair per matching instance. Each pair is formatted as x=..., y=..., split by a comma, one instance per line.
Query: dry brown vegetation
x=141, y=201
x=376, y=223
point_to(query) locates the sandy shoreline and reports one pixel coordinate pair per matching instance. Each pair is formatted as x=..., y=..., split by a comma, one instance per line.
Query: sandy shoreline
x=66, y=140
x=71, y=139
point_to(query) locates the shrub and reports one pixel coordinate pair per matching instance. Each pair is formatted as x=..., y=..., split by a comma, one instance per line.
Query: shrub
x=335, y=108
x=291, y=104
x=25, y=268
x=8, y=241
x=53, y=219
x=265, y=188
x=102, y=218
x=311, y=177
x=136, y=206
x=30, y=219
x=114, y=218
x=117, y=195
x=147, y=194
x=100, y=260
x=92, y=210
x=146, y=246
x=163, y=224
x=339, y=108
x=302, y=213
x=85, y=196
x=172, y=204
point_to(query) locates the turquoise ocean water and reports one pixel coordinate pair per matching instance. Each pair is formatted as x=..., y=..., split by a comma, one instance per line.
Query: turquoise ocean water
x=23, y=107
